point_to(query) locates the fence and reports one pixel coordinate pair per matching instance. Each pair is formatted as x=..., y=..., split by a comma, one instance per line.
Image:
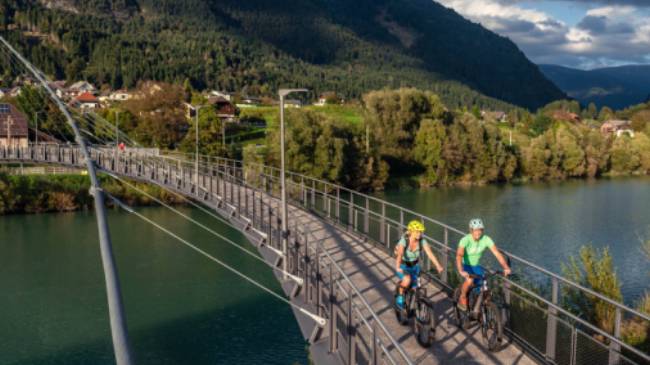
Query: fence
x=538, y=305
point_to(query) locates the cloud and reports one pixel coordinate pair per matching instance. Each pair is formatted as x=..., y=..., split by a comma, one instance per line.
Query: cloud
x=612, y=34
x=635, y=3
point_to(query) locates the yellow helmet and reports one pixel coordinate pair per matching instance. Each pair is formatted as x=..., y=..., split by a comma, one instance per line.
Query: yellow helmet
x=415, y=226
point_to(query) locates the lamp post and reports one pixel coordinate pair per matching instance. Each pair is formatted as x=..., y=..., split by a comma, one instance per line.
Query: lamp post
x=36, y=121
x=197, y=109
x=285, y=230
x=117, y=128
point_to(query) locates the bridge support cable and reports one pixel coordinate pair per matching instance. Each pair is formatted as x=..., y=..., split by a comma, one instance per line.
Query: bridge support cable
x=119, y=333
x=298, y=280
x=318, y=319
x=61, y=131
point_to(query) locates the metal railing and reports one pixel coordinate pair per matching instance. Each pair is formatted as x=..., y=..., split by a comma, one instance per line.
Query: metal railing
x=560, y=334
x=355, y=332
x=538, y=313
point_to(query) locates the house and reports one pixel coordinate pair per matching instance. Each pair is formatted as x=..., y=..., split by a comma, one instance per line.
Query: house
x=566, y=116
x=119, y=95
x=80, y=87
x=13, y=127
x=628, y=132
x=146, y=89
x=59, y=88
x=85, y=101
x=224, y=108
x=614, y=126
x=249, y=102
x=14, y=92
x=498, y=116
x=327, y=97
x=292, y=103
x=221, y=94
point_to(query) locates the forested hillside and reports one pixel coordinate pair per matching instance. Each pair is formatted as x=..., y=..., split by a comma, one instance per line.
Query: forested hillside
x=256, y=46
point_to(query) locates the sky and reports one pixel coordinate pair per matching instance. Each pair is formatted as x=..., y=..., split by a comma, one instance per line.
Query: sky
x=583, y=34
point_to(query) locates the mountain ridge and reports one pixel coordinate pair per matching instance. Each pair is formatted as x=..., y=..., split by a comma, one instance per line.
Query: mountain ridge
x=617, y=87
x=321, y=44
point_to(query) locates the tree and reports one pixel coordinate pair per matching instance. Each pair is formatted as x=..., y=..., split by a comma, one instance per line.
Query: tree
x=570, y=152
x=625, y=158
x=591, y=112
x=536, y=158
x=640, y=120
x=428, y=150
x=160, y=109
x=319, y=146
x=541, y=123
x=394, y=117
x=605, y=114
x=596, y=153
x=594, y=269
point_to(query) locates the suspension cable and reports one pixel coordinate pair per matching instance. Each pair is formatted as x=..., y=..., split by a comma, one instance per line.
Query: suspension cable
x=188, y=218
x=319, y=320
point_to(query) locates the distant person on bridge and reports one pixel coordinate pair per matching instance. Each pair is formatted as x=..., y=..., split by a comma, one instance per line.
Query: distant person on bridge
x=407, y=255
x=468, y=256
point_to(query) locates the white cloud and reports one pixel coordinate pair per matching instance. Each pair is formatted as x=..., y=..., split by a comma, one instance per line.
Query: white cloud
x=607, y=35
x=612, y=11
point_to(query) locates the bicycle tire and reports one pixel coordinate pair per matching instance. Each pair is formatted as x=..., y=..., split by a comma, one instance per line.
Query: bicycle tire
x=424, y=324
x=491, y=326
x=401, y=314
x=460, y=320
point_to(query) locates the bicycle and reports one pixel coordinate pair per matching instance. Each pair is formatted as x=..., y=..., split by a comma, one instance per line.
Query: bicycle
x=418, y=310
x=481, y=308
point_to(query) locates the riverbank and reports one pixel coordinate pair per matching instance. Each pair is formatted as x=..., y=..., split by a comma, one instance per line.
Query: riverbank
x=26, y=194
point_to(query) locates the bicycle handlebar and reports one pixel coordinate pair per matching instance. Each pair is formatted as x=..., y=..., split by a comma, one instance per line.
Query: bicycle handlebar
x=488, y=275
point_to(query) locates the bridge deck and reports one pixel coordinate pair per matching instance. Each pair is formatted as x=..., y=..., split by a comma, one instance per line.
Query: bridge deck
x=368, y=267
x=372, y=272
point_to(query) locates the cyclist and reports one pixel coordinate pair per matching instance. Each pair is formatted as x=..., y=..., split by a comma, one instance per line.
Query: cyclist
x=407, y=255
x=470, y=250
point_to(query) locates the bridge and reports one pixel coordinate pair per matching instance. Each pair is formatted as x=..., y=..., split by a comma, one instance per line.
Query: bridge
x=339, y=274
x=334, y=262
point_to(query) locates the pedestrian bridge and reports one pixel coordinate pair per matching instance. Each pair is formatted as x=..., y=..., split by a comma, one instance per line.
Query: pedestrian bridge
x=339, y=258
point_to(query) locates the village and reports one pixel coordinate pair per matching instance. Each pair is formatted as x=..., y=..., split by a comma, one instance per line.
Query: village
x=235, y=109
x=18, y=129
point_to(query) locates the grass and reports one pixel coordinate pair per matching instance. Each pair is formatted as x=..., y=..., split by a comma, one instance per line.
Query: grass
x=348, y=113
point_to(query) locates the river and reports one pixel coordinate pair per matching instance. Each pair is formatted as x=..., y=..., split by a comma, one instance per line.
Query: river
x=184, y=309
x=181, y=307
x=547, y=223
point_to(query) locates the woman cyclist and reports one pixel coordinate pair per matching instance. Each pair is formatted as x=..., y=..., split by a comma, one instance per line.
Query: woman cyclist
x=407, y=259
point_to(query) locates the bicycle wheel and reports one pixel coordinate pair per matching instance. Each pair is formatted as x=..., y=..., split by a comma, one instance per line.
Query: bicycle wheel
x=424, y=325
x=458, y=314
x=491, y=326
x=401, y=313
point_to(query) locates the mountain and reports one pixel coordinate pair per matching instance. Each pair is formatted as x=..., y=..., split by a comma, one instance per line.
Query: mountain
x=258, y=45
x=616, y=87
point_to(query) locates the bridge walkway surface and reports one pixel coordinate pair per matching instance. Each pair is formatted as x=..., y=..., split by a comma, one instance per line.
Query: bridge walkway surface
x=370, y=269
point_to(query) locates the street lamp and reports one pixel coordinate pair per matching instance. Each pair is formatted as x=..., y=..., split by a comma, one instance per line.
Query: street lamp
x=36, y=113
x=285, y=230
x=196, y=109
x=117, y=128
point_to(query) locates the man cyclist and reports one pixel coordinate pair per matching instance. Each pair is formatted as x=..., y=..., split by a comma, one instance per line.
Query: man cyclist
x=407, y=258
x=470, y=250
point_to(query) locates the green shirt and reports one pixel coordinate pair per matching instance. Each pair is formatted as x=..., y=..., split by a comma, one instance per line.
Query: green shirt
x=410, y=256
x=474, y=249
